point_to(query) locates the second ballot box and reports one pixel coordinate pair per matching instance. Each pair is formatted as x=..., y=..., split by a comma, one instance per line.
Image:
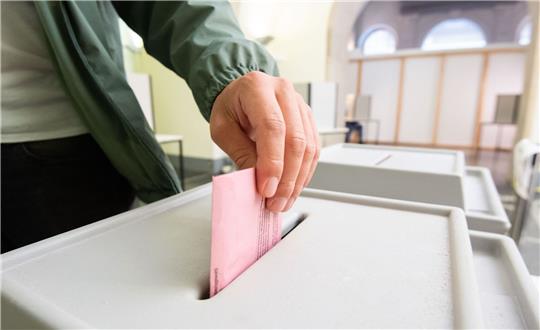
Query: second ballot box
x=433, y=176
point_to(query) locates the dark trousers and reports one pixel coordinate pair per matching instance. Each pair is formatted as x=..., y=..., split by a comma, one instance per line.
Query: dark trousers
x=49, y=187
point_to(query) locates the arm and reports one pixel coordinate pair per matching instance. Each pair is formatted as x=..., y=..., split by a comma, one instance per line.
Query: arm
x=199, y=40
x=257, y=119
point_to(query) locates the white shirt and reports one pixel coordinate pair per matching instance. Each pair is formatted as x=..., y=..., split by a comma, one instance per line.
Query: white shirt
x=35, y=105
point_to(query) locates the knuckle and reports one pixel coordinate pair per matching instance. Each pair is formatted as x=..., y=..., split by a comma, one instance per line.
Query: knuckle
x=274, y=125
x=286, y=188
x=296, y=144
x=254, y=76
x=284, y=85
x=273, y=166
x=311, y=149
x=216, y=132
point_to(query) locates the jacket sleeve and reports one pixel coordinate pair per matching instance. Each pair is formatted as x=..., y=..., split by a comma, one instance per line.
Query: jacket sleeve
x=199, y=40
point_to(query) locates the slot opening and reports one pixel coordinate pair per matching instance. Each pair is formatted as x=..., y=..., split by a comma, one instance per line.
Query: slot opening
x=289, y=222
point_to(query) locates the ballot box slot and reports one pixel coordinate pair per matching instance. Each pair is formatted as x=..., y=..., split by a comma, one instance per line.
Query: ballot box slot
x=290, y=220
x=382, y=160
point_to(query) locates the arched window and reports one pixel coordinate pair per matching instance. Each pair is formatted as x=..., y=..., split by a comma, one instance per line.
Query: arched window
x=379, y=40
x=524, y=32
x=454, y=33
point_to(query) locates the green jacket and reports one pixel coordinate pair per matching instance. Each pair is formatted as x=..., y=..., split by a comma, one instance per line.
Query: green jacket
x=199, y=40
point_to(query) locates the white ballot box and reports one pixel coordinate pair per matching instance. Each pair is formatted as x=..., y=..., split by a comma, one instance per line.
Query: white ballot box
x=353, y=262
x=432, y=176
x=509, y=298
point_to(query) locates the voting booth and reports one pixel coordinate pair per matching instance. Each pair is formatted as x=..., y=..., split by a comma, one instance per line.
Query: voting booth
x=347, y=264
x=432, y=176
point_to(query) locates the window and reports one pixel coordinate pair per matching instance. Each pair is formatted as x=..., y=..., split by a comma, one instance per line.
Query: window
x=378, y=41
x=524, y=32
x=454, y=33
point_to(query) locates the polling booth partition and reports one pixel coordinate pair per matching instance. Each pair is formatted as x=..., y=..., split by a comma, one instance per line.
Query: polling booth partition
x=434, y=176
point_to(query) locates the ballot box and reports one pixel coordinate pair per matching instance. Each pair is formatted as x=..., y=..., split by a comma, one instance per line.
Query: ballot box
x=508, y=296
x=415, y=174
x=349, y=261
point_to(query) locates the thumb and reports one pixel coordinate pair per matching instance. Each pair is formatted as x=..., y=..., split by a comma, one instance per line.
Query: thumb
x=235, y=143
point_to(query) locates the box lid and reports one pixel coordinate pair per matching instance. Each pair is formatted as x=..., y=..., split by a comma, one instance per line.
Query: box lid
x=396, y=158
x=353, y=262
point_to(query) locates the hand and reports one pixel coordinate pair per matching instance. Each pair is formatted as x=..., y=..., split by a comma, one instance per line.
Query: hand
x=261, y=121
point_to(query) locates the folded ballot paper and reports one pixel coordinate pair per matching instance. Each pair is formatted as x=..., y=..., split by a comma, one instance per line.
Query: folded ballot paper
x=243, y=230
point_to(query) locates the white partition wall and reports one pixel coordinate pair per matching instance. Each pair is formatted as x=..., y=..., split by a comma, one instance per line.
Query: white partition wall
x=441, y=98
x=504, y=76
x=381, y=80
x=419, y=100
x=459, y=100
x=323, y=99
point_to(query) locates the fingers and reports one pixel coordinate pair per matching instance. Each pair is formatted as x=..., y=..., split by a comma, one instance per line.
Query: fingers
x=230, y=137
x=263, y=112
x=309, y=161
x=295, y=146
x=261, y=121
x=317, y=143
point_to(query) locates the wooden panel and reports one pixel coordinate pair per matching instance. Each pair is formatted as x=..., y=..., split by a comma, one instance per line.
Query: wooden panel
x=438, y=100
x=381, y=80
x=459, y=99
x=505, y=76
x=399, y=107
x=419, y=100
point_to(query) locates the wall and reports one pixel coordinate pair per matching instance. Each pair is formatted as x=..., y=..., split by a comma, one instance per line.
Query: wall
x=440, y=98
x=529, y=120
x=340, y=67
x=175, y=111
x=299, y=31
x=299, y=44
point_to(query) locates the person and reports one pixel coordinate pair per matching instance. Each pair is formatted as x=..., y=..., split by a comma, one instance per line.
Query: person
x=75, y=145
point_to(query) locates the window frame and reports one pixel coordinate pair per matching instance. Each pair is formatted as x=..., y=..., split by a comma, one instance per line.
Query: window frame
x=522, y=24
x=373, y=28
x=439, y=23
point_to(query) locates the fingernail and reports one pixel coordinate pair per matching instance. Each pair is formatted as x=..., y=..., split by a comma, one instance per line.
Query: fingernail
x=278, y=204
x=270, y=187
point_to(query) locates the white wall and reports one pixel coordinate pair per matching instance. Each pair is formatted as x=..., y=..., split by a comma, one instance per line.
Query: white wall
x=505, y=76
x=380, y=79
x=460, y=90
x=419, y=100
x=459, y=100
x=300, y=32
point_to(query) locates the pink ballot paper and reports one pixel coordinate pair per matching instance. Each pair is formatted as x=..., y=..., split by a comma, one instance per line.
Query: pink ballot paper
x=243, y=230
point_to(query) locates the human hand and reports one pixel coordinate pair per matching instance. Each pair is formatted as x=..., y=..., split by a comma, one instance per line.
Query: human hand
x=261, y=121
